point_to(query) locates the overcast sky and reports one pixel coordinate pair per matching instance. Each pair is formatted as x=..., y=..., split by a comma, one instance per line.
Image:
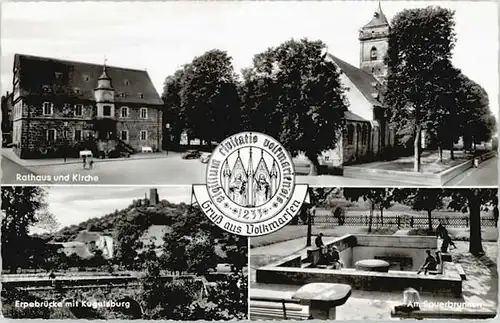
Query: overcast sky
x=160, y=37
x=76, y=204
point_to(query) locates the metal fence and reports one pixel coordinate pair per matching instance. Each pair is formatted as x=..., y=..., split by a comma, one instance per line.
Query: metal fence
x=401, y=221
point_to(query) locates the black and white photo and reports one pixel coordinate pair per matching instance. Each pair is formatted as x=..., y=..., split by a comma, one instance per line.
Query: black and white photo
x=117, y=253
x=380, y=254
x=358, y=97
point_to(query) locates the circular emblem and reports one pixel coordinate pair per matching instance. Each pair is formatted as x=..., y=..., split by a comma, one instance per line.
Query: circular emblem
x=250, y=178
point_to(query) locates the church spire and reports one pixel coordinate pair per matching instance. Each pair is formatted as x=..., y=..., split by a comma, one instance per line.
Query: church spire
x=379, y=19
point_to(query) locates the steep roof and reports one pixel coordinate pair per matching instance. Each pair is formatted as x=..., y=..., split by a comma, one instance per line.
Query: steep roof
x=353, y=117
x=379, y=19
x=364, y=82
x=136, y=85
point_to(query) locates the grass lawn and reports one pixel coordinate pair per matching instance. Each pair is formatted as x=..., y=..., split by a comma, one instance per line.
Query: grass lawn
x=291, y=232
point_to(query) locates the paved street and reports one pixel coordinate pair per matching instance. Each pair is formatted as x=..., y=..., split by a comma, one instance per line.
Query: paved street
x=173, y=170
x=10, y=171
x=485, y=175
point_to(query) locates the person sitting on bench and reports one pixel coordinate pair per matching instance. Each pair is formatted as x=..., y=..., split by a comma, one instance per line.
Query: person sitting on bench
x=335, y=258
x=430, y=263
x=319, y=243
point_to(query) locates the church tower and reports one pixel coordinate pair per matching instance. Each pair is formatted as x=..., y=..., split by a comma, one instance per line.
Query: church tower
x=374, y=41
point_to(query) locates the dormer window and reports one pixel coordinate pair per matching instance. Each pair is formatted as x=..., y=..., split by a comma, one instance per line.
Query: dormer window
x=141, y=95
x=58, y=75
x=126, y=82
x=86, y=78
x=121, y=94
x=77, y=91
x=46, y=89
x=373, y=54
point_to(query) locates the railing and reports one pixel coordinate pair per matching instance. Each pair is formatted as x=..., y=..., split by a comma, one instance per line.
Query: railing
x=124, y=146
x=401, y=221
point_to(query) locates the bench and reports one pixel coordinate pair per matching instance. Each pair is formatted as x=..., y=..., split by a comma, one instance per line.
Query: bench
x=311, y=301
x=461, y=271
x=265, y=305
x=445, y=314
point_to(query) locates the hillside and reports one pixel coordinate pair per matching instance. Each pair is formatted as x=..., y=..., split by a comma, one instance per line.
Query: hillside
x=163, y=214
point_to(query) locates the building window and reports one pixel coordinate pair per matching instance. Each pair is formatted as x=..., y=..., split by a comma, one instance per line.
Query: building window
x=78, y=135
x=141, y=95
x=126, y=82
x=124, y=135
x=144, y=135
x=373, y=54
x=58, y=75
x=78, y=110
x=51, y=135
x=350, y=134
x=144, y=113
x=124, y=112
x=48, y=108
x=106, y=110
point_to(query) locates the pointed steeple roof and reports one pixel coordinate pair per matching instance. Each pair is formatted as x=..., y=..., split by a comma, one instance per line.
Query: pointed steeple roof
x=104, y=75
x=379, y=19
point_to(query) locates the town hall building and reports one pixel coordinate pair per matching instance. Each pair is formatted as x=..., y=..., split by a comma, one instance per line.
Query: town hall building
x=367, y=134
x=61, y=107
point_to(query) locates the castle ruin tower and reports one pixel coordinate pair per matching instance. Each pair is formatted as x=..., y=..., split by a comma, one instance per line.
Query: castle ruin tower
x=153, y=196
x=374, y=42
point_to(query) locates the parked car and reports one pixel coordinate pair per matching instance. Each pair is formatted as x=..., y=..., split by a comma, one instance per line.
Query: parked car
x=205, y=157
x=191, y=154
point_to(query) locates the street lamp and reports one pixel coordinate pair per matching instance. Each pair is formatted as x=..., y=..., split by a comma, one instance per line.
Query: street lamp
x=65, y=143
x=167, y=126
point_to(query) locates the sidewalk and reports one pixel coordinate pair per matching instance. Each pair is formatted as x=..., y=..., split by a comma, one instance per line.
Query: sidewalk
x=429, y=162
x=9, y=154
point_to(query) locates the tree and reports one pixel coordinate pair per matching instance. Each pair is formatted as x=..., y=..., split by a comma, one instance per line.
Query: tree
x=422, y=199
x=386, y=201
x=174, y=252
x=374, y=196
x=200, y=254
x=127, y=243
x=442, y=121
x=472, y=200
x=295, y=94
x=173, y=112
x=209, y=97
x=419, y=55
x=20, y=207
x=47, y=221
x=475, y=118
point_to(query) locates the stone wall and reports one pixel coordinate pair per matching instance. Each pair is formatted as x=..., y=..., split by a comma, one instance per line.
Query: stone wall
x=34, y=125
x=362, y=280
x=134, y=124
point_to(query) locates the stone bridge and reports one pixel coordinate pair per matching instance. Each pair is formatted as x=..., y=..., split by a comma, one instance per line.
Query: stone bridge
x=82, y=296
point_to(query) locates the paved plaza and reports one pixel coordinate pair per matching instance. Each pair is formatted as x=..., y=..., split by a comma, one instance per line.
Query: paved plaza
x=481, y=285
x=171, y=169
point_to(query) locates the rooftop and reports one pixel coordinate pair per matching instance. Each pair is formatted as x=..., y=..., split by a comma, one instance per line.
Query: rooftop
x=130, y=85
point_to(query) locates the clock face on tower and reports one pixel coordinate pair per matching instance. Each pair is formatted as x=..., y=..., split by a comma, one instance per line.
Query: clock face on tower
x=107, y=96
